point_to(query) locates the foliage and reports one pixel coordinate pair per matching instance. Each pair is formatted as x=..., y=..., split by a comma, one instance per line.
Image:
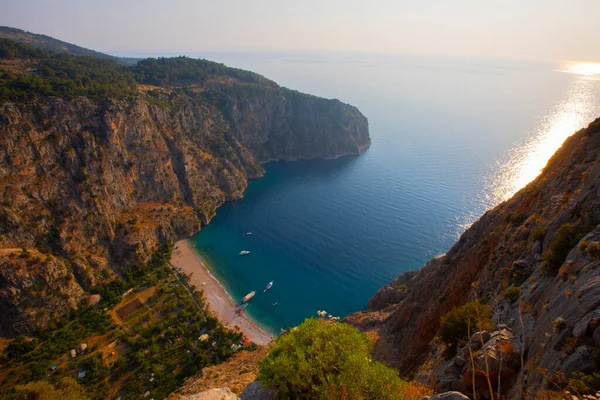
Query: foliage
x=537, y=233
x=62, y=75
x=565, y=239
x=584, y=384
x=156, y=268
x=65, y=389
x=327, y=360
x=185, y=71
x=559, y=323
x=515, y=218
x=512, y=294
x=577, y=386
x=456, y=325
x=21, y=346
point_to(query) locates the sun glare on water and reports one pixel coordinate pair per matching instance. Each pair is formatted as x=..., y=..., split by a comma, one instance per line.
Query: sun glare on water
x=583, y=68
x=575, y=110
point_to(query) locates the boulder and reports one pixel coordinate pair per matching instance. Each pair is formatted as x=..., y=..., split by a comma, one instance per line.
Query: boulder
x=255, y=391
x=459, y=362
x=581, y=327
x=449, y=396
x=582, y=360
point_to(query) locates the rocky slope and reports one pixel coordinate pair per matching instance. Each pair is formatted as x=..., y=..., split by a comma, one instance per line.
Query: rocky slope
x=92, y=185
x=534, y=259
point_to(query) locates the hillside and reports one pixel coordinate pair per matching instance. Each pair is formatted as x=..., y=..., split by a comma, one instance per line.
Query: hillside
x=534, y=261
x=102, y=164
x=48, y=43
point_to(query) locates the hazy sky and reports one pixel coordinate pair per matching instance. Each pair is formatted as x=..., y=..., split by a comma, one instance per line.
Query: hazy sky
x=539, y=29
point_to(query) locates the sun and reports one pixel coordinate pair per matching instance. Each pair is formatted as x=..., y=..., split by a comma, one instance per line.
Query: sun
x=584, y=68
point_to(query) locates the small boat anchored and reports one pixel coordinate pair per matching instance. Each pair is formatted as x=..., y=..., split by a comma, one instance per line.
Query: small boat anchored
x=269, y=286
x=244, y=252
x=243, y=306
x=248, y=233
x=248, y=297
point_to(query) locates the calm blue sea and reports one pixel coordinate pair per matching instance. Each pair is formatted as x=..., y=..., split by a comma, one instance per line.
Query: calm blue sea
x=451, y=137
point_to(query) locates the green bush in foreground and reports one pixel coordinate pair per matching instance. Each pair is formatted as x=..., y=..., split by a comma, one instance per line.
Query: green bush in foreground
x=327, y=360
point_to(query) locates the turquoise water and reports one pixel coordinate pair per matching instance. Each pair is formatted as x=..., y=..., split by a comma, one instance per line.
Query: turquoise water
x=450, y=137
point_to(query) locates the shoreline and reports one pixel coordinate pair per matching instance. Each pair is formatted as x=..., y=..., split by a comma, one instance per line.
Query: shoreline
x=219, y=301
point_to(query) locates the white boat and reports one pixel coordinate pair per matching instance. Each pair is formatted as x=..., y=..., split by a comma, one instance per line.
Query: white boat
x=244, y=252
x=248, y=297
x=269, y=286
x=248, y=233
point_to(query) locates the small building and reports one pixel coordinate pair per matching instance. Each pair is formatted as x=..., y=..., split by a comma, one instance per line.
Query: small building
x=72, y=353
x=81, y=374
x=203, y=338
x=82, y=347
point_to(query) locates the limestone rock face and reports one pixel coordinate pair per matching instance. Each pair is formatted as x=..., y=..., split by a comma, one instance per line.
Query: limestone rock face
x=534, y=258
x=102, y=184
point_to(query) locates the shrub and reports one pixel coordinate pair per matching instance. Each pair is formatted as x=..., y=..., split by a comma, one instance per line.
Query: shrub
x=559, y=323
x=65, y=389
x=515, y=218
x=565, y=239
x=585, y=384
x=593, y=249
x=327, y=360
x=21, y=346
x=512, y=294
x=455, y=325
x=537, y=234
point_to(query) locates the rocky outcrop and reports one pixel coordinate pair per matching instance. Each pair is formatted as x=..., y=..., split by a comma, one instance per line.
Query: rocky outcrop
x=213, y=394
x=101, y=184
x=238, y=374
x=534, y=259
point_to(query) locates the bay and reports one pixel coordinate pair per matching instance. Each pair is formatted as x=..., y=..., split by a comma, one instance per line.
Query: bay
x=451, y=137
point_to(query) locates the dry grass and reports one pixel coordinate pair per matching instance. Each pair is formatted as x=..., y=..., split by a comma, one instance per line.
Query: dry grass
x=416, y=391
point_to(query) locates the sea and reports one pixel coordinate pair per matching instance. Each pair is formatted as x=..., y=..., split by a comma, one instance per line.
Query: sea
x=451, y=137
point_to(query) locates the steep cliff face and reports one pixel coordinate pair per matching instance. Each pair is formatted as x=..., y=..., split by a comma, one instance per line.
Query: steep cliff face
x=286, y=118
x=534, y=259
x=101, y=184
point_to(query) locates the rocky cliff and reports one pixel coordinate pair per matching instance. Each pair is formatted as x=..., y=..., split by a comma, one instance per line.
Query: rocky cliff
x=534, y=259
x=92, y=184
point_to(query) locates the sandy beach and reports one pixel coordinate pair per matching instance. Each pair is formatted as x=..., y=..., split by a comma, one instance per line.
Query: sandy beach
x=220, y=303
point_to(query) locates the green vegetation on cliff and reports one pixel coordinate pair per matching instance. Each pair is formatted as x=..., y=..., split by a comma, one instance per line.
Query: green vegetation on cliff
x=60, y=75
x=187, y=71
